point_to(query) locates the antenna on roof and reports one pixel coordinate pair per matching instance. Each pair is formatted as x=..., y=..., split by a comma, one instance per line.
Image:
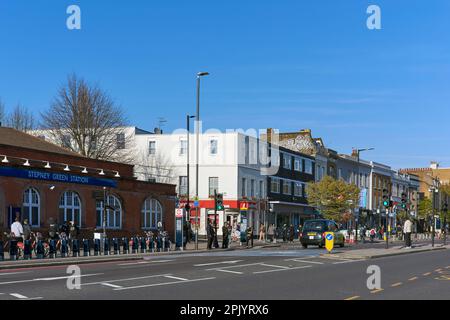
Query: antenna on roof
x=161, y=122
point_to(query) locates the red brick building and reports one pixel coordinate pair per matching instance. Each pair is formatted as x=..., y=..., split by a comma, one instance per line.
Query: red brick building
x=39, y=181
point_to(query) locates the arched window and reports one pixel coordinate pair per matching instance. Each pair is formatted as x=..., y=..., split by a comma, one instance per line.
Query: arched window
x=31, y=207
x=70, y=207
x=151, y=213
x=113, y=213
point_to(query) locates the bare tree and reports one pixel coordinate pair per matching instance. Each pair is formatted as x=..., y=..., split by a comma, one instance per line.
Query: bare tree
x=154, y=167
x=21, y=119
x=84, y=119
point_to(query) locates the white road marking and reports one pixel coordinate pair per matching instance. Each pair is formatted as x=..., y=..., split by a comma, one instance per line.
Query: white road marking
x=36, y=298
x=215, y=263
x=111, y=285
x=274, y=266
x=176, y=278
x=348, y=261
x=238, y=266
x=19, y=296
x=304, y=261
x=162, y=284
x=67, y=277
x=11, y=273
x=276, y=270
x=49, y=279
x=126, y=279
x=143, y=262
x=230, y=271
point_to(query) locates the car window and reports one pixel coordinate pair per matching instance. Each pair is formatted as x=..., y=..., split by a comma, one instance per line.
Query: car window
x=314, y=225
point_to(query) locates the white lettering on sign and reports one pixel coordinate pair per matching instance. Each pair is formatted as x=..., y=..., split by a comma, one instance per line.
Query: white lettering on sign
x=374, y=20
x=77, y=179
x=60, y=177
x=74, y=20
x=38, y=175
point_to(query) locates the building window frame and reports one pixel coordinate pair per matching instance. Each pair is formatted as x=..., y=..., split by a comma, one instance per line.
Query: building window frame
x=69, y=204
x=116, y=222
x=31, y=206
x=213, y=184
x=151, y=213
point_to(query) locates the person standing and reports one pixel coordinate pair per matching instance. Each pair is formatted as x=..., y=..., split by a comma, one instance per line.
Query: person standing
x=291, y=233
x=262, y=230
x=250, y=236
x=17, y=229
x=26, y=230
x=271, y=232
x=225, y=235
x=407, y=229
x=210, y=234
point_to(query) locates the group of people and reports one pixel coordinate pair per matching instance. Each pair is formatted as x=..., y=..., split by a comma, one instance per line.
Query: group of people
x=67, y=231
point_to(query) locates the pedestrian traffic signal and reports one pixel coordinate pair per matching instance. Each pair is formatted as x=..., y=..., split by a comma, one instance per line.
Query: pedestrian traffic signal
x=219, y=202
x=404, y=200
x=386, y=198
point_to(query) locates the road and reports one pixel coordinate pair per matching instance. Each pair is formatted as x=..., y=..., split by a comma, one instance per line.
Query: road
x=260, y=274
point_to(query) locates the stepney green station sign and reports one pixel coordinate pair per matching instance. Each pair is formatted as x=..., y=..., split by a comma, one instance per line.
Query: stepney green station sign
x=56, y=177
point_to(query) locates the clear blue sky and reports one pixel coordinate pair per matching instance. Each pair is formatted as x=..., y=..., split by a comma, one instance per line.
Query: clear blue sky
x=282, y=64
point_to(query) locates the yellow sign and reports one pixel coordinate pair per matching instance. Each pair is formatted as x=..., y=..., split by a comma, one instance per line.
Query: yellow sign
x=329, y=241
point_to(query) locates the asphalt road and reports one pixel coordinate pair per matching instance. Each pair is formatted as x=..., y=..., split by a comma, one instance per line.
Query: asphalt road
x=267, y=274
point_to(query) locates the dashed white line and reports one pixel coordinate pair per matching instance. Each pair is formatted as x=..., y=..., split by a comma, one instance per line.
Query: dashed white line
x=348, y=261
x=12, y=273
x=176, y=278
x=304, y=261
x=126, y=279
x=276, y=270
x=215, y=263
x=111, y=285
x=143, y=262
x=229, y=271
x=17, y=295
x=274, y=266
x=162, y=284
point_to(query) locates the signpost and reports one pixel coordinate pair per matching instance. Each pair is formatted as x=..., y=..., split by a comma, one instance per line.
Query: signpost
x=329, y=241
x=179, y=228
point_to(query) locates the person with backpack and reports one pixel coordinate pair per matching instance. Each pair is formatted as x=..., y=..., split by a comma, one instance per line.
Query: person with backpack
x=52, y=230
x=26, y=230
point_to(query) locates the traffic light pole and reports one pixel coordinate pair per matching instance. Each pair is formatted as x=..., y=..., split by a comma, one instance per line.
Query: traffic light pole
x=386, y=224
x=216, y=243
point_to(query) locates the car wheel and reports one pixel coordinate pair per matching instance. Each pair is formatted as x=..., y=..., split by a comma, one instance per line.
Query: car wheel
x=342, y=244
x=305, y=246
x=320, y=246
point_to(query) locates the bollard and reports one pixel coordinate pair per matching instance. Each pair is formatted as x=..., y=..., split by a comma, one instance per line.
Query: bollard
x=143, y=245
x=64, y=249
x=106, y=247
x=40, y=250
x=126, y=246
x=75, y=248
x=116, y=246
x=2, y=253
x=27, y=251
x=96, y=247
x=86, y=248
x=13, y=250
x=52, y=249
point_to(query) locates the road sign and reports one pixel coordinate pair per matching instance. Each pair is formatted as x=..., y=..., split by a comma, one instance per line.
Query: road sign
x=178, y=213
x=196, y=203
x=329, y=241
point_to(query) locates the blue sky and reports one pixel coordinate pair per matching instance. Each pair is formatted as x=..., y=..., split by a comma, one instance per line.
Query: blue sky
x=282, y=64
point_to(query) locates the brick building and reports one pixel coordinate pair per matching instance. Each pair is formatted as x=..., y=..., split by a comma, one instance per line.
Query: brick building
x=39, y=181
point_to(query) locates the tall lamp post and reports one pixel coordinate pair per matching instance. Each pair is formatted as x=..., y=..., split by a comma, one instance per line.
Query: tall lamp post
x=358, y=151
x=197, y=134
x=433, y=189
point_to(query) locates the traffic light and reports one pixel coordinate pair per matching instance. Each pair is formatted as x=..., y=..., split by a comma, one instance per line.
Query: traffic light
x=219, y=202
x=404, y=200
x=386, y=198
x=187, y=207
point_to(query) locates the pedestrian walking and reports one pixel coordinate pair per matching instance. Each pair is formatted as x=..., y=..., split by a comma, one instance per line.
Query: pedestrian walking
x=285, y=231
x=250, y=236
x=407, y=229
x=262, y=231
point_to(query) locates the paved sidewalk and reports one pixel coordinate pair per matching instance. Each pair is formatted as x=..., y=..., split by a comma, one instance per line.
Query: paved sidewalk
x=190, y=248
x=374, y=253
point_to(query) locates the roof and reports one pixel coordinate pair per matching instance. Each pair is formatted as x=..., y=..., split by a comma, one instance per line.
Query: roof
x=16, y=138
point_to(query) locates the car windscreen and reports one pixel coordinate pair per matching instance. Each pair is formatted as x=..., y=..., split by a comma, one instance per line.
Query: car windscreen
x=314, y=226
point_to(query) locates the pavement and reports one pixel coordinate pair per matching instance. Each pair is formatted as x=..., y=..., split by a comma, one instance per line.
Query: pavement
x=253, y=274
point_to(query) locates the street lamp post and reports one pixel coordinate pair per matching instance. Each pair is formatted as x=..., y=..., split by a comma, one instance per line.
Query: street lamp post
x=358, y=151
x=197, y=133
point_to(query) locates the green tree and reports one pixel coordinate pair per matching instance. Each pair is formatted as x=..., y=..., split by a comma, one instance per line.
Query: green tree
x=333, y=198
x=425, y=208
